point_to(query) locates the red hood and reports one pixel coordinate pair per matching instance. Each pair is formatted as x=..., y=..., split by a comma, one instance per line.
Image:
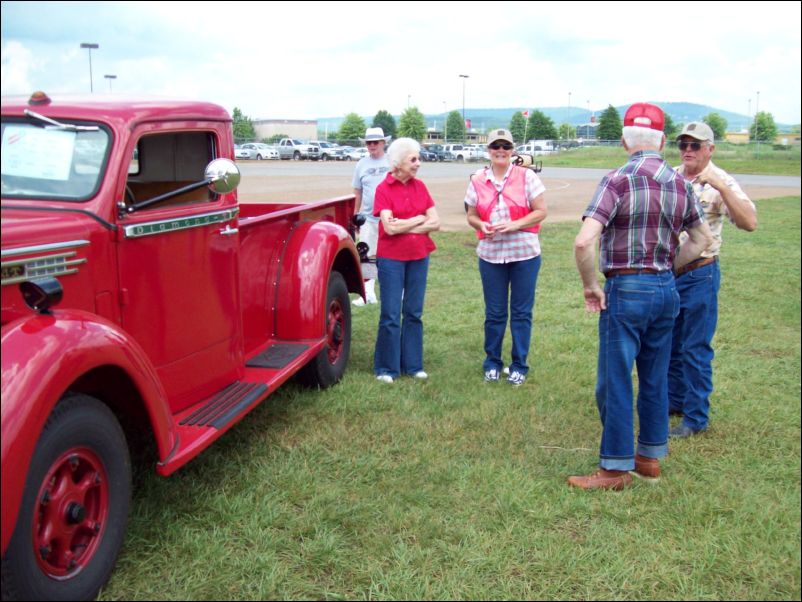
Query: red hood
x=26, y=227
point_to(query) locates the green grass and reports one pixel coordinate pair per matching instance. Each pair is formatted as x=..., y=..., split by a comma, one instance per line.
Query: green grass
x=454, y=489
x=734, y=158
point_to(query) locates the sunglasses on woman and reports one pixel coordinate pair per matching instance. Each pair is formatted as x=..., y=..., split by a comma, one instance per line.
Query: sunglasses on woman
x=497, y=146
x=695, y=146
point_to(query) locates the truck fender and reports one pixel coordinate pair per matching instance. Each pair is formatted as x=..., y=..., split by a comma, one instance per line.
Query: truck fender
x=42, y=356
x=314, y=249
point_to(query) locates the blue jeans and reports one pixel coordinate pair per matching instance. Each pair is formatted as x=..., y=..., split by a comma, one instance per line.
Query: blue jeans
x=399, y=341
x=508, y=284
x=690, y=374
x=635, y=329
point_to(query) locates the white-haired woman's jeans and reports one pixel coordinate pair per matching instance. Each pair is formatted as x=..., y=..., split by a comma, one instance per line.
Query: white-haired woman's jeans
x=399, y=340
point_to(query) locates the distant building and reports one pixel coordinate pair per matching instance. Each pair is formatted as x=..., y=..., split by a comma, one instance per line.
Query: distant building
x=305, y=129
x=587, y=131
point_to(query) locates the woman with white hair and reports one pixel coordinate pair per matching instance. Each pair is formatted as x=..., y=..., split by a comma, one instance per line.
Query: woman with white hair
x=407, y=214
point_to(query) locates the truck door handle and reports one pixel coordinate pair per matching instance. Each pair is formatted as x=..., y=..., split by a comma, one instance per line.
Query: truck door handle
x=228, y=230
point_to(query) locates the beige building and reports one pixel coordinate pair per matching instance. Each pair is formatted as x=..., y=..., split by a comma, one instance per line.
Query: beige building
x=303, y=129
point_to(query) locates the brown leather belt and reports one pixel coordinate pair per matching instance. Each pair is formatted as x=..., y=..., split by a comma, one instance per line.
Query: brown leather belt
x=629, y=271
x=695, y=264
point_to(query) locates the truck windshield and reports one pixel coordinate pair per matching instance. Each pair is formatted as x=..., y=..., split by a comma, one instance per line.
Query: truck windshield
x=51, y=163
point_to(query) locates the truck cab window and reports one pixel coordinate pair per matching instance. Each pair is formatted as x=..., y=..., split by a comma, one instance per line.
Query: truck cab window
x=165, y=162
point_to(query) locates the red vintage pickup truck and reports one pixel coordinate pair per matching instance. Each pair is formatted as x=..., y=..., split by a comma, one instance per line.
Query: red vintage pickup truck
x=138, y=297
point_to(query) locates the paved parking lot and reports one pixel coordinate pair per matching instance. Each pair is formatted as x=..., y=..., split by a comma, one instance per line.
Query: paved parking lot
x=568, y=190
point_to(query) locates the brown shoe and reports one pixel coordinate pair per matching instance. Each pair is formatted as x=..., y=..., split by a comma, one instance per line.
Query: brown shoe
x=646, y=468
x=603, y=479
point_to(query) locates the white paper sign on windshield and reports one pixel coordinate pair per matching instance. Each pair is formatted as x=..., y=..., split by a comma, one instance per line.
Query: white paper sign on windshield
x=33, y=152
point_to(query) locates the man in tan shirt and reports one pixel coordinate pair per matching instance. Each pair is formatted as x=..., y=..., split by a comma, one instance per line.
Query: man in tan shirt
x=690, y=377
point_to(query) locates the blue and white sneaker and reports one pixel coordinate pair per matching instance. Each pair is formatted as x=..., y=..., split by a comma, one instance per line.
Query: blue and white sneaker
x=516, y=379
x=491, y=376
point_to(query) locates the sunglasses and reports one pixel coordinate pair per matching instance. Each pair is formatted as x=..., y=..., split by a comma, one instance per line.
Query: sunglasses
x=496, y=146
x=694, y=146
x=369, y=142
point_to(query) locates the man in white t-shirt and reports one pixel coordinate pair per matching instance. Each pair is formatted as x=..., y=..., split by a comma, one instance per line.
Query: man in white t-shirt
x=369, y=173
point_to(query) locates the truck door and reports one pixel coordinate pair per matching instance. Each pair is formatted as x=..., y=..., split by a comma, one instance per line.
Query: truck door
x=178, y=266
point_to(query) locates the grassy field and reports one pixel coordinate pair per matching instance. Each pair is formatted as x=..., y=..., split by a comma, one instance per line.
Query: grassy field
x=734, y=158
x=455, y=489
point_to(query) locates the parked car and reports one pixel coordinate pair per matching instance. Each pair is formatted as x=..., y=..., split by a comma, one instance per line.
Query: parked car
x=260, y=151
x=329, y=151
x=438, y=150
x=241, y=153
x=427, y=155
x=357, y=154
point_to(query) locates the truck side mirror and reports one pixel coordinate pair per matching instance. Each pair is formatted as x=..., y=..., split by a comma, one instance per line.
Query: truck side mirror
x=222, y=175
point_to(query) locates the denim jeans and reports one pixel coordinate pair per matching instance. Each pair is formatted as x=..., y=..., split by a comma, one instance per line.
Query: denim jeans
x=690, y=374
x=508, y=285
x=399, y=341
x=635, y=329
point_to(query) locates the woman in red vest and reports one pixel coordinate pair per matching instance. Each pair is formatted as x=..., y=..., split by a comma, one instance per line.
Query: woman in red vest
x=506, y=206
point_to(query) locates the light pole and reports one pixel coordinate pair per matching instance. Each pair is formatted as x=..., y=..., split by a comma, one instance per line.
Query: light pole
x=110, y=77
x=90, y=47
x=445, y=123
x=568, y=133
x=464, y=124
x=757, y=103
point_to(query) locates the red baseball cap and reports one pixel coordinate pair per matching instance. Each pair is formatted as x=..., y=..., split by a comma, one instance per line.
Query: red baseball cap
x=645, y=115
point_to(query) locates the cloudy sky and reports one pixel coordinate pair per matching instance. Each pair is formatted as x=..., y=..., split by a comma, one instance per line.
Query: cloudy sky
x=305, y=60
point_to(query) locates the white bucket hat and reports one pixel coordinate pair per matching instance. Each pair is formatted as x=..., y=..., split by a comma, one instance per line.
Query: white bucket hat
x=374, y=134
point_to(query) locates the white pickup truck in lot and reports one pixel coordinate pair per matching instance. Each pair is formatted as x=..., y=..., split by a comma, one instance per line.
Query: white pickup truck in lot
x=291, y=148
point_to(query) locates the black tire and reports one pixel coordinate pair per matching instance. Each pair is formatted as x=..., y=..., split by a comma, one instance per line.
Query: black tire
x=329, y=365
x=296, y=156
x=80, y=463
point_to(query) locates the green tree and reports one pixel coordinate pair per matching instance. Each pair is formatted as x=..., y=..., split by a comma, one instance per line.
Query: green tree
x=671, y=129
x=567, y=131
x=275, y=138
x=763, y=128
x=351, y=129
x=412, y=124
x=243, y=128
x=518, y=127
x=717, y=123
x=386, y=122
x=540, y=127
x=610, y=127
x=455, y=126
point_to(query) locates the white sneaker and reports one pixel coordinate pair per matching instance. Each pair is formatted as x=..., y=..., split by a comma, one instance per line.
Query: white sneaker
x=359, y=302
x=516, y=379
x=506, y=370
x=372, y=300
x=385, y=378
x=420, y=375
x=491, y=376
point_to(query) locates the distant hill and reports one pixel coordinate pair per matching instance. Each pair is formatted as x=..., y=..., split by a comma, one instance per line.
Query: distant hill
x=484, y=119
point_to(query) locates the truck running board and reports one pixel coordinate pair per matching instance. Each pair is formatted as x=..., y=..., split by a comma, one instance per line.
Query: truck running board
x=277, y=356
x=225, y=405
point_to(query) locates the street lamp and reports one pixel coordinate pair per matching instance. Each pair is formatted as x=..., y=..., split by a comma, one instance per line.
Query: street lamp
x=90, y=47
x=445, y=123
x=568, y=133
x=464, y=77
x=110, y=77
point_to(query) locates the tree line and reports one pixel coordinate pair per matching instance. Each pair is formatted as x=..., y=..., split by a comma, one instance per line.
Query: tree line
x=538, y=126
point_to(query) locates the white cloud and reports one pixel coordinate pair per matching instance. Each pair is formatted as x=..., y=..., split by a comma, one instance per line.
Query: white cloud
x=308, y=60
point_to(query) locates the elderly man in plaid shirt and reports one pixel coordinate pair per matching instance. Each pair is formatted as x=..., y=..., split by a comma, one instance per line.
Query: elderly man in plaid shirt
x=637, y=214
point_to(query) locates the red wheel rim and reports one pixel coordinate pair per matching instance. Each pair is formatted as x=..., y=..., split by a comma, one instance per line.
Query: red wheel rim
x=71, y=512
x=335, y=329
